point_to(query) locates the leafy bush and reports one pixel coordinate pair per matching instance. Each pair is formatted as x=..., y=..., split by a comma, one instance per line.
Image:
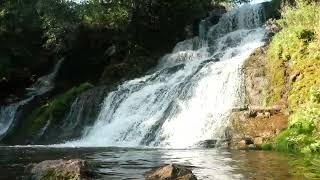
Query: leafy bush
x=58, y=19
x=294, y=71
x=303, y=132
x=113, y=14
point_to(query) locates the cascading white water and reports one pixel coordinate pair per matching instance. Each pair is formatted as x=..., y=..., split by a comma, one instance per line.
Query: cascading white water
x=7, y=114
x=43, y=85
x=190, y=95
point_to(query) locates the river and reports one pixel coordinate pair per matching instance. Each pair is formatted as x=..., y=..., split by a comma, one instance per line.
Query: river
x=131, y=163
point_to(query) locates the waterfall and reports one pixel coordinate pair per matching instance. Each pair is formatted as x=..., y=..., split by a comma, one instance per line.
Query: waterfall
x=189, y=96
x=9, y=113
x=83, y=112
x=45, y=83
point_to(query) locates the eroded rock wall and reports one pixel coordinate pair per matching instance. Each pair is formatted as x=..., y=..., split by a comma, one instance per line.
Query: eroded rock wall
x=258, y=124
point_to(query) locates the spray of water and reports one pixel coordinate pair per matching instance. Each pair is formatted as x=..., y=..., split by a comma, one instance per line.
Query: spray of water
x=190, y=95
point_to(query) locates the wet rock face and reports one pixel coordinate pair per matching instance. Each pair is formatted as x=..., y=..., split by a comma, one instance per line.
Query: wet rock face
x=82, y=114
x=255, y=77
x=256, y=125
x=170, y=172
x=60, y=169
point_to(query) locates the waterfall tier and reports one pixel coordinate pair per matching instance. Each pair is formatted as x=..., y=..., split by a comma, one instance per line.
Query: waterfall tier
x=189, y=96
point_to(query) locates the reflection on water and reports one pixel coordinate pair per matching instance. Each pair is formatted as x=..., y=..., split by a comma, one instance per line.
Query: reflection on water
x=122, y=163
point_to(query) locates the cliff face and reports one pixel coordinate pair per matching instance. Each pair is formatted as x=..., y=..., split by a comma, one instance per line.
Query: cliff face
x=258, y=124
x=283, y=86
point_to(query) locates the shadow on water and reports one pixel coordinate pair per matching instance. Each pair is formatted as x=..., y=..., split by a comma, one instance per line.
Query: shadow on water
x=129, y=163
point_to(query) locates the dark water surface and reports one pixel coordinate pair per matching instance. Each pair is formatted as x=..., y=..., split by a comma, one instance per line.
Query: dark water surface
x=126, y=163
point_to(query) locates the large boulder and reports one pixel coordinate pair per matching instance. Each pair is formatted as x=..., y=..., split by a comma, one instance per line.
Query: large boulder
x=60, y=169
x=170, y=172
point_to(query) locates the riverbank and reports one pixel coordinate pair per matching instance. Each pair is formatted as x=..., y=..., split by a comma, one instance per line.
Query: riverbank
x=282, y=86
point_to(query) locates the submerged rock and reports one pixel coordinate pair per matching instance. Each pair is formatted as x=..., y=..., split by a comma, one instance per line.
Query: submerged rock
x=75, y=169
x=170, y=172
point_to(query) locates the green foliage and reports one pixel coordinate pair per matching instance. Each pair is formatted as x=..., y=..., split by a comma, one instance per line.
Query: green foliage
x=281, y=142
x=58, y=19
x=294, y=55
x=114, y=14
x=18, y=16
x=294, y=71
x=266, y=146
x=276, y=70
x=55, y=109
x=302, y=134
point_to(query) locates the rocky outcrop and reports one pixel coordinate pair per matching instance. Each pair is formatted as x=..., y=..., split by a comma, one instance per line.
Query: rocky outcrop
x=255, y=77
x=172, y=171
x=60, y=169
x=256, y=125
x=272, y=26
x=252, y=131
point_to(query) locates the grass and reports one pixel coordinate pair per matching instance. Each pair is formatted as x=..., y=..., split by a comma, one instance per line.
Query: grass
x=293, y=69
x=303, y=133
x=294, y=55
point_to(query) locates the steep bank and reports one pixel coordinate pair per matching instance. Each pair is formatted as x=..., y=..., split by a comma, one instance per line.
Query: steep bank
x=256, y=124
x=294, y=74
x=291, y=71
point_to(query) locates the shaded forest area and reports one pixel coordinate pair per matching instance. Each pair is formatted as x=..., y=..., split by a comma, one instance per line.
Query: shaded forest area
x=101, y=42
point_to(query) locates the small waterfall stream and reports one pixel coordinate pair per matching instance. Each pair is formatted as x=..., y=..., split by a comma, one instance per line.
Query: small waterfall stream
x=191, y=93
x=8, y=113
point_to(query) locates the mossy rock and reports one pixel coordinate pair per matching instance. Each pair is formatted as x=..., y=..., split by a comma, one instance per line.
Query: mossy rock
x=74, y=169
x=294, y=71
x=54, y=111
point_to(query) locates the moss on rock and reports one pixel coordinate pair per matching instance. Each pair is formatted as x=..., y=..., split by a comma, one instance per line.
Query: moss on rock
x=293, y=68
x=55, y=109
x=74, y=169
x=294, y=56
